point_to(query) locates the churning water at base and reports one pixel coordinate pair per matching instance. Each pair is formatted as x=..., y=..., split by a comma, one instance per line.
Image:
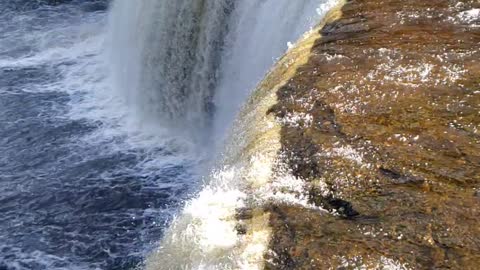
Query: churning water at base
x=102, y=117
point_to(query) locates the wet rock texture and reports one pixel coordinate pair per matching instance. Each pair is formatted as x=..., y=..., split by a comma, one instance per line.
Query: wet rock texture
x=383, y=126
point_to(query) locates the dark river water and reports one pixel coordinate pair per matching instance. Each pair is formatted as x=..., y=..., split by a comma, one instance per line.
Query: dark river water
x=82, y=185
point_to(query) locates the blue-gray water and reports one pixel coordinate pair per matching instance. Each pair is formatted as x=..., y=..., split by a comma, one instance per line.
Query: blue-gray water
x=78, y=188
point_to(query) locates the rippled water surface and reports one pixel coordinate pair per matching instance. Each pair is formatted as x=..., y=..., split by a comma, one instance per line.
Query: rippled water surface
x=82, y=185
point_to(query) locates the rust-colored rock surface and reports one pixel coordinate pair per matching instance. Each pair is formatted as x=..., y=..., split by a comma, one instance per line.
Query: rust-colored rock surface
x=383, y=126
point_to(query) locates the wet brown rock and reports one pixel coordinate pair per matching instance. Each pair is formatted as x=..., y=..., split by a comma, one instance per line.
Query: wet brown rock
x=391, y=150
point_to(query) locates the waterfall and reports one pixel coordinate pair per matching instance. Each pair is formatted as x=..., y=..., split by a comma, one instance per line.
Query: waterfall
x=166, y=56
x=190, y=65
x=178, y=62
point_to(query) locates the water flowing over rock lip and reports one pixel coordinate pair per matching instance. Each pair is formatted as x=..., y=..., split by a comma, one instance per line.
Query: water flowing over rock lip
x=226, y=226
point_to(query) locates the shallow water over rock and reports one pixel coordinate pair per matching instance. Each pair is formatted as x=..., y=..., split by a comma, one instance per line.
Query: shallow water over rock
x=382, y=125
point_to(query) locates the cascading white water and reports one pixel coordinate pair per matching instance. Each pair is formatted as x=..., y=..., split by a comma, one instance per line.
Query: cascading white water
x=166, y=56
x=190, y=64
x=179, y=61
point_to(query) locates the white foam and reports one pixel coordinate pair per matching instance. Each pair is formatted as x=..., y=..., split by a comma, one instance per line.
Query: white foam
x=469, y=16
x=204, y=235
